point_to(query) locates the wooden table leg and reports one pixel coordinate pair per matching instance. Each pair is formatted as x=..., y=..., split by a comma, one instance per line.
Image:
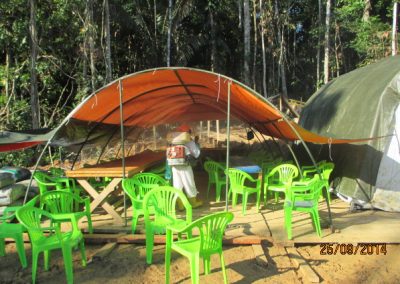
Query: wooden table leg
x=98, y=198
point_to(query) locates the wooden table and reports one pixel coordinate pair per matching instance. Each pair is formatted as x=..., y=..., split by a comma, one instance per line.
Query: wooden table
x=113, y=169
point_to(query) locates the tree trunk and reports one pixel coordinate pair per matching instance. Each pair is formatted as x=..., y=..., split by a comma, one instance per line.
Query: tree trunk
x=281, y=43
x=262, y=23
x=337, y=47
x=255, y=45
x=155, y=30
x=394, y=30
x=108, y=42
x=169, y=33
x=319, y=21
x=6, y=87
x=367, y=10
x=240, y=13
x=91, y=33
x=327, y=26
x=213, y=42
x=246, y=30
x=33, y=80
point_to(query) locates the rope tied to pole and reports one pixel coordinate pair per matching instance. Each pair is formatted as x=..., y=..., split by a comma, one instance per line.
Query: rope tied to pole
x=330, y=148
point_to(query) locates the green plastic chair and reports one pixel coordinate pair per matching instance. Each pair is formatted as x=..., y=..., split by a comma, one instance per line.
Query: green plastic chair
x=209, y=241
x=57, y=172
x=163, y=199
x=31, y=217
x=325, y=168
x=47, y=182
x=279, y=179
x=13, y=231
x=237, y=185
x=303, y=196
x=215, y=176
x=8, y=229
x=63, y=203
x=136, y=188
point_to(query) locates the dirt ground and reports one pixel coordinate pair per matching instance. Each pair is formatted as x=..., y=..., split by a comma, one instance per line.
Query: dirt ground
x=126, y=264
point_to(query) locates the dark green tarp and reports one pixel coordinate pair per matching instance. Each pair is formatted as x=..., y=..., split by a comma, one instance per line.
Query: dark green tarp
x=359, y=104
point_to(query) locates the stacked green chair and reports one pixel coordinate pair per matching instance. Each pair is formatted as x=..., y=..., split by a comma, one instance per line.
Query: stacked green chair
x=163, y=199
x=13, y=231
x=136, y=188
x=215, y=176
x=238, y=185
x=325, y=169
x=303, y=196
x=210, y=231
x=62, y=204
x=8, y=229
x=57, y=172
x=279, y=179
x=47, y=182
x=31, y=217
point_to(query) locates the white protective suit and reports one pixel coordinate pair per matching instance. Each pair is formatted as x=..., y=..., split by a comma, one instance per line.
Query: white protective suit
x=182, y=175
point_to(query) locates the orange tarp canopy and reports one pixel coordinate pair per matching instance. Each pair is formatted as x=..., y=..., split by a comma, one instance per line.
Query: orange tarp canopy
x=174, y=95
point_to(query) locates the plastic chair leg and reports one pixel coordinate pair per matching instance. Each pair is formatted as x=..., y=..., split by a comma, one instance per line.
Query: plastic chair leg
x=221, y=257
x=168, y=257
x=2, y=247
x=244, y=203
x=67, y=255
x=21, y=250
x=149, y=244
x=234, y=198
x=46, y=256
x=258, y=200
x=83, y=252
x=90, y=224
x=194, y=268
x=218, y=187
x=207, y=264
x=135, y=218
x=288, y=222
x=35, y=256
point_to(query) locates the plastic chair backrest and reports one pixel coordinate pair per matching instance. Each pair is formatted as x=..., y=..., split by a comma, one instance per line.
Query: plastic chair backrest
x=31, y=217
x=57, y=201
x=285, y=172
x=58, y=172
x=326, y=169
x=211, y=229
x=164, y=200
x=237, y=177
x=213, y=168
x=140, y=184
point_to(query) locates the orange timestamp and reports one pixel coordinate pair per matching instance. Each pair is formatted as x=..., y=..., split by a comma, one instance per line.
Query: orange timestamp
x=353, y=249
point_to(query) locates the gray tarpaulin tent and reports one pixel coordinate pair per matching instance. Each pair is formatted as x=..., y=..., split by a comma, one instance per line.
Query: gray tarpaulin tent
x=362, y=103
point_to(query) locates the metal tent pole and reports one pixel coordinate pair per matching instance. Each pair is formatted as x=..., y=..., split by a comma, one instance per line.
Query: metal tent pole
x=121, y=116
x=228, y=132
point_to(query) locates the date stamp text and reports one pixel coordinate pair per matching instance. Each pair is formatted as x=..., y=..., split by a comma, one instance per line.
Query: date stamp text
x=352, y=249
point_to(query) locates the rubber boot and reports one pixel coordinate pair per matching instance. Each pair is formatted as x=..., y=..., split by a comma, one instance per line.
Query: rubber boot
x=180, y=205
x=195, y=202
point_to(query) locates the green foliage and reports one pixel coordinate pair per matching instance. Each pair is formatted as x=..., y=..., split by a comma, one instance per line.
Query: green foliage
x=139, y=39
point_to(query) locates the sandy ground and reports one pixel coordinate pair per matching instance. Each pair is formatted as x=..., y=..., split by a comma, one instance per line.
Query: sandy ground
x=126, y=264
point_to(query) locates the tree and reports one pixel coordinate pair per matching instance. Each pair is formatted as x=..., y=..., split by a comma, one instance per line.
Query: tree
x=107, y=36
x=246, y=41
x=327, y=45
x=33, y=57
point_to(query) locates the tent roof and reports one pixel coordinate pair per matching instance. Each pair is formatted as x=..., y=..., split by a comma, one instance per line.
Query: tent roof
x=14, y=141
x=352, y=104
x=176, y=94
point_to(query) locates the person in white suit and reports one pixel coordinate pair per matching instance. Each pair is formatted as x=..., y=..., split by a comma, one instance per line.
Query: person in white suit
x=182, y=174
